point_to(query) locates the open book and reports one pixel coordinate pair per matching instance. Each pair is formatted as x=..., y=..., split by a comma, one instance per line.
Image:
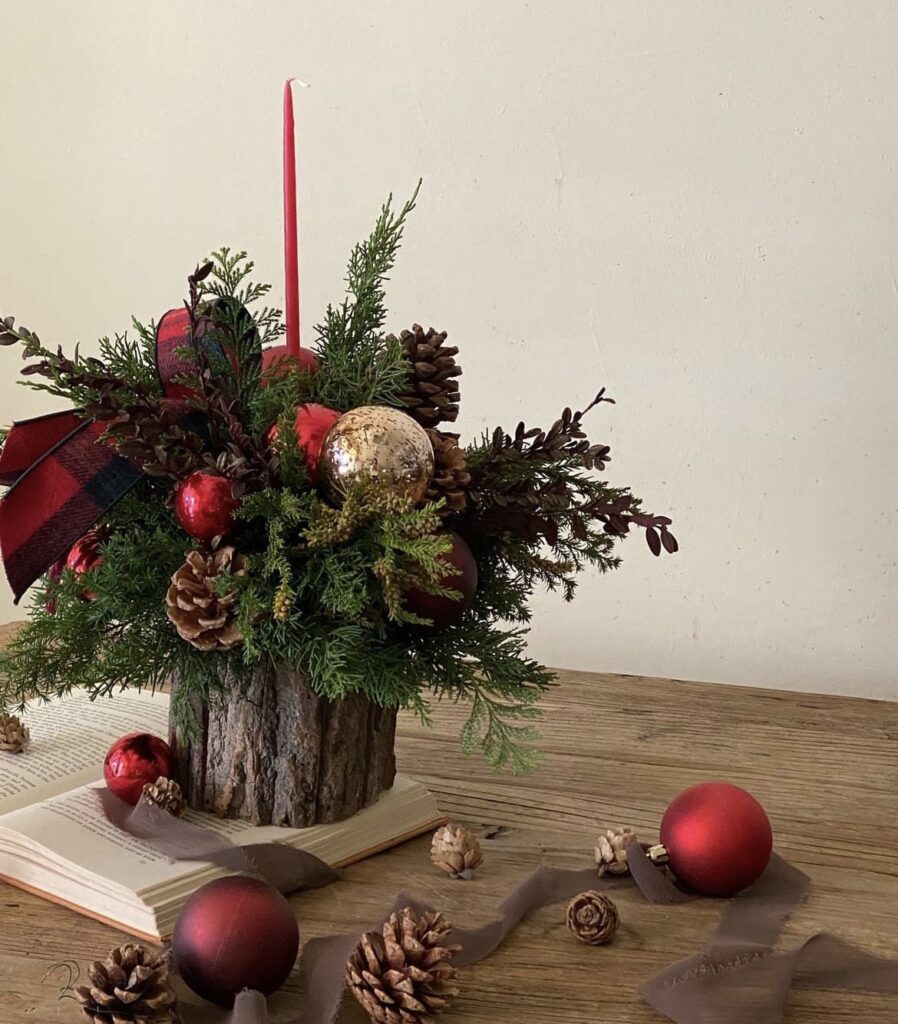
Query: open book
x=55, y=842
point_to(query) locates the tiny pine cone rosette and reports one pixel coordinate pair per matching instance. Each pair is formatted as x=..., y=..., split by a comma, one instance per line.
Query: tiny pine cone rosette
x=166, y=795
x=455, y=850
x=593, y=918
x=403, y=974
x=132, y=986
x=14, y=736
x=611, y=851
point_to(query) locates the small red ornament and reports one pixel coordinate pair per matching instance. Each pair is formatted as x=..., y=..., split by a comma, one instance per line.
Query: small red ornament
x=717, y=838
x=135, y=760
x=278, y=360
x=311, y=424
x=83, y=556
x=443, y=611
x=204, y=505
x=235, y=933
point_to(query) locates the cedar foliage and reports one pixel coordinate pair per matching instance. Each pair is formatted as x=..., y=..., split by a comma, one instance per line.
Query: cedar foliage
x=323, y=587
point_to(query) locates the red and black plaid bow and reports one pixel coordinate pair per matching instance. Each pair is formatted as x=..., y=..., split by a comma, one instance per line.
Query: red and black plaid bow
x=63, y=481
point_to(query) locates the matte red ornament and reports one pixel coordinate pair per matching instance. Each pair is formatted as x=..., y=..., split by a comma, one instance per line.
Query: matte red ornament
x=83, y=556
x=444, y=611
x=277, y=360
x=235, y=933
x=135, y=760
x=312, y=422
x=717, y=837
x=204, y=505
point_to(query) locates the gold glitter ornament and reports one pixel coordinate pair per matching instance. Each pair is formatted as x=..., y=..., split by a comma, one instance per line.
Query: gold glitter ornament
x=378, y=446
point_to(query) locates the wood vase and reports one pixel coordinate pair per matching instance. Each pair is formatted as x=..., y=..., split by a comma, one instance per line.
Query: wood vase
x=274, y=753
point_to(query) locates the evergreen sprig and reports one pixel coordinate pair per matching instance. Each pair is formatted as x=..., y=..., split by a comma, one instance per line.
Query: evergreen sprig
x=360, y=365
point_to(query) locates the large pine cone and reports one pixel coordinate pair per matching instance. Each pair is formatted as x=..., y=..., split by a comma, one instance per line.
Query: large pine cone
x=451, y=478
x=132, y=986
x=431, y=394
x=404, y=976
x=201, y=616
x=14, y=737
x=456, y=851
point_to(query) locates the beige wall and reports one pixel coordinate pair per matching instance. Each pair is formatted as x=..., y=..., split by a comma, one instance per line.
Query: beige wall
x=693, y=203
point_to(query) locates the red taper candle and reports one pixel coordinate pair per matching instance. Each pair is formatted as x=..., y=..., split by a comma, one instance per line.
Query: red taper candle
x=291, y=244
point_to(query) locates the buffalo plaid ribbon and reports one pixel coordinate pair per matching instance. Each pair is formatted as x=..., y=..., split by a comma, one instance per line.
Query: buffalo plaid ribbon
x=63, y=478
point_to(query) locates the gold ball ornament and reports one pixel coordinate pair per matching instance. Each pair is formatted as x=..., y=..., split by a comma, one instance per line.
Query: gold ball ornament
x=379, y=446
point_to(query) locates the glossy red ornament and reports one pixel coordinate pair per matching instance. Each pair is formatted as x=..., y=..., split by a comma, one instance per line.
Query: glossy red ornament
x=443, y=611
x=235, y=933
x=279, y=361
x=312, y=422
x=83, y=556
x=204, y=505
x=135, y=760
x=717, y=837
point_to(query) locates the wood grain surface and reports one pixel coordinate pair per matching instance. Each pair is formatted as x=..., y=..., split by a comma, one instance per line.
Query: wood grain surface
x=617, y=748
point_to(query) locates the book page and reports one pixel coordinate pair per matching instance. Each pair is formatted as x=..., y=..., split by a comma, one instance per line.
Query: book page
x=72, y=828
x=69, y=740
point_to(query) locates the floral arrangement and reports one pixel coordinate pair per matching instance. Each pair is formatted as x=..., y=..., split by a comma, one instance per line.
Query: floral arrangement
x=316, y=512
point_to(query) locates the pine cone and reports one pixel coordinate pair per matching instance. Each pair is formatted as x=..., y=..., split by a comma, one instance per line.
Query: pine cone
x=403, y=976
x=611, y=851
x=593, y=918
x=456, y=851
x=14, y=737
x=165, y=794
x=451, y=478
x=202, y=617
x=431, y=394
x=132, y=986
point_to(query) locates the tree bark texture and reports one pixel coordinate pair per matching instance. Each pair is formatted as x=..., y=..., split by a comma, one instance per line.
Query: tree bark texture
x=275, y=753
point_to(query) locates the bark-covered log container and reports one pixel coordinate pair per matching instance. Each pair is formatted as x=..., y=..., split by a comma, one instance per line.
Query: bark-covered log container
x=275, y=753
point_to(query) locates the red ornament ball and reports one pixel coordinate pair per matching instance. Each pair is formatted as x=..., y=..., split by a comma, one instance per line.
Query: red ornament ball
x=83, y=556
x=204, y=505
x=444, y=611
x=718, y=838
x=278, y=361
x=311, y=424
x=235, y=933
x=135, y=760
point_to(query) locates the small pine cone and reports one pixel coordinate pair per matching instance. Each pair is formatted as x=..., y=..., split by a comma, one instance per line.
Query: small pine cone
x=611, y=851
x=132, y=986
x=593, y=918
x=202, y=617
x=166, y=794
x=456, y=851
x=404, y=975
x=14, y=737
x=451, y=478
x=431, y=394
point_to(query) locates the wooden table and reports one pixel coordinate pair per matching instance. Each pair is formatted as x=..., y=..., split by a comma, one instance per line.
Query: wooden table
x=618, y=748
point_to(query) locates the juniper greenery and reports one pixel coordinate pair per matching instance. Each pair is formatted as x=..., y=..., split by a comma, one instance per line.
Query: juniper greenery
x=324, y=587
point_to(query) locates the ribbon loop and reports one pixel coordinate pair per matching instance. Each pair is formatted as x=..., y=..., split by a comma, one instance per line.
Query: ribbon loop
x=62, y=481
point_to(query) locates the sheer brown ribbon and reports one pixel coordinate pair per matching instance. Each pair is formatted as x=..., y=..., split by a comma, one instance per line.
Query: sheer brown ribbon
x=739, y=978
x=282, y=866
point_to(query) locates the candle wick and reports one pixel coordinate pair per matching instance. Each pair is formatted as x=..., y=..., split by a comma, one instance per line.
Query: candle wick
x=300, y=83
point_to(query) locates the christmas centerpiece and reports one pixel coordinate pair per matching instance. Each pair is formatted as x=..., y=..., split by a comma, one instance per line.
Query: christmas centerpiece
x=299, y=546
